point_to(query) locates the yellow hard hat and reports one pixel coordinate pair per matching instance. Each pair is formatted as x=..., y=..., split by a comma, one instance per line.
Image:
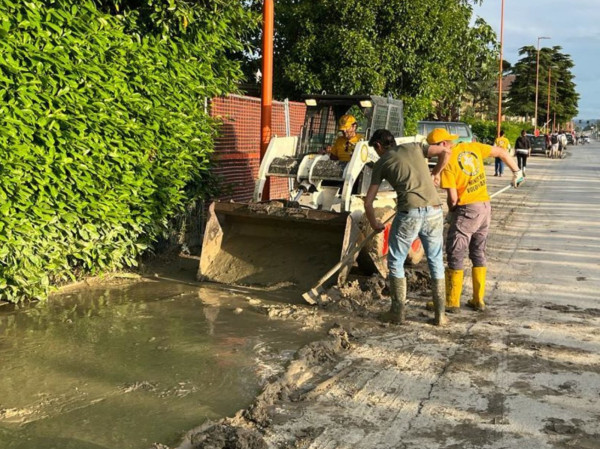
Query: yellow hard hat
x=440, y=135
x=346, y=122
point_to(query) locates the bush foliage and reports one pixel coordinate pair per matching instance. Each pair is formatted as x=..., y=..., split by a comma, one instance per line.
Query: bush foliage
x=103, y=129
x=486, y=130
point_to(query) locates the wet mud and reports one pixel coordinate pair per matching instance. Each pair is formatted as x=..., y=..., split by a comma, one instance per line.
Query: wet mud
x=148, y=359
x=306, y=376
x=315, y=367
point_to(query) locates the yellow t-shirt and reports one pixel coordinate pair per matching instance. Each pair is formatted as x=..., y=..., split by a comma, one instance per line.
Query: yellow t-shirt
x=466, y=173
x=502, y=142
x=342, y=148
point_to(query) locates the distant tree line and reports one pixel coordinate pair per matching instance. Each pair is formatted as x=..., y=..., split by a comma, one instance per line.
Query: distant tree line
x=555, y=77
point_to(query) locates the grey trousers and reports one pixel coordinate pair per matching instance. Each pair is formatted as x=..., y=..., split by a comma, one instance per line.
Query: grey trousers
x=468, y=233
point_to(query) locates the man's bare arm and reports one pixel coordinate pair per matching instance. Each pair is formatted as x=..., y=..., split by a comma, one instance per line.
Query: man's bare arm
x=443, y=158
x=451, y=198
x=370, y=211
x=505, y=156
x=436, y=150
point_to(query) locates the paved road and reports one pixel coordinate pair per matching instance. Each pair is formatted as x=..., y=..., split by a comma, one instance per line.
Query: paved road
x=524, y=374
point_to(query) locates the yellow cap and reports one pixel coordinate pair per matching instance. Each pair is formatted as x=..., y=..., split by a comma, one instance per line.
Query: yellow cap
x=439, y=135
x=346, y=122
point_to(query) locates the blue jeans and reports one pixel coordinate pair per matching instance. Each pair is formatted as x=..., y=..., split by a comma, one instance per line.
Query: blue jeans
x=426, y=223
x=498, y=166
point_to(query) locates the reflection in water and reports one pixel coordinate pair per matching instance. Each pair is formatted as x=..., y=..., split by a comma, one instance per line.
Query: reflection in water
x=211, y=310
x=129, y=366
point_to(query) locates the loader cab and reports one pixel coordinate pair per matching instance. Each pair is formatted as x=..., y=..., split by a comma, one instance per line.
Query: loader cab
x=323, y=112
x=320, y=129
x=312, y=175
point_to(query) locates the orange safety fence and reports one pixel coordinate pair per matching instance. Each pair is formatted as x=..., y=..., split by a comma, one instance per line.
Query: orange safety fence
x=237, y=150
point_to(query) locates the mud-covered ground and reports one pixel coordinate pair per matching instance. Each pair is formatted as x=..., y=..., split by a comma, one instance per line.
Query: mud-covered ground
x=525, y=373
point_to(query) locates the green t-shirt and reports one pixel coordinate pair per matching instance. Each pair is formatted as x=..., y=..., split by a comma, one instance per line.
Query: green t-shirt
x=405, y=168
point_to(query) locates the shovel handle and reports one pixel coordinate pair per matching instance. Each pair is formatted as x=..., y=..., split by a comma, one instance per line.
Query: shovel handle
x=350, y=255
x=503, y=189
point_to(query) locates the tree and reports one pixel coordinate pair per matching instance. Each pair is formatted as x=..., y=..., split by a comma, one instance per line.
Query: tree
x=482, y=92
x=563, y=99
x=475, y=77
x=418, y=51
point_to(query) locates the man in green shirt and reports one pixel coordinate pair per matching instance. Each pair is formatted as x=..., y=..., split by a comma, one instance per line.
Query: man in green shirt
x=418, y=213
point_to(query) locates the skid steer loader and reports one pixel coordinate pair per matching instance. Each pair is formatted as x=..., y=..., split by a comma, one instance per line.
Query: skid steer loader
x=297, y=239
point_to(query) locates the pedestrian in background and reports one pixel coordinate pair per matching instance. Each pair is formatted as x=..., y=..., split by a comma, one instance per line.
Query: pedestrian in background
x=523, y=151
x=469, y=203
x=501, y=142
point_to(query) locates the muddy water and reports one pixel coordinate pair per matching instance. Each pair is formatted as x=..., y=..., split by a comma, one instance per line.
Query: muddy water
x=127, y=366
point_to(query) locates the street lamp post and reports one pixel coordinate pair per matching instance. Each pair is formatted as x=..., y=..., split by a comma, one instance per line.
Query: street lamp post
x=554, y=127
x=537, y=74
x=500, y=74
x=548, y=108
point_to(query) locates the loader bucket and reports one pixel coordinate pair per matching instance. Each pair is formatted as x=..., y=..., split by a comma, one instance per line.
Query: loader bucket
x=267, y=245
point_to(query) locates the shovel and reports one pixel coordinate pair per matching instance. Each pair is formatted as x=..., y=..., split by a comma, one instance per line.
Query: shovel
x=312, y=295
x=504, y=189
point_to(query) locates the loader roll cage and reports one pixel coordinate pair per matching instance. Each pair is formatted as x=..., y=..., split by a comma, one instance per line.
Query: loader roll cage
x=323, y=112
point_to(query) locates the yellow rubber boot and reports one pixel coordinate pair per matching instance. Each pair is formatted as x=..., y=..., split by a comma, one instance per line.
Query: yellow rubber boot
x=477, y=302
x=454, y=279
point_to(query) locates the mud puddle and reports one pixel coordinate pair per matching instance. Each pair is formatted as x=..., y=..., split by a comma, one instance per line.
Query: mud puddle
x=127, y=366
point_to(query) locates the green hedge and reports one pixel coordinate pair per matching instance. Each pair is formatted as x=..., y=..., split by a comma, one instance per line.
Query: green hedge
x=103, y=130
x=486, y=130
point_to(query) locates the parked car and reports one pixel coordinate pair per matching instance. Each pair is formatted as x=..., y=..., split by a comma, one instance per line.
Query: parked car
x=538, y=144
x=570, y=139
x=584, y=139
x=459, y=128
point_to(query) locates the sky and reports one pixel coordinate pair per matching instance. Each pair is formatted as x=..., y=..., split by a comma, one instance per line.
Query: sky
x=572, y=24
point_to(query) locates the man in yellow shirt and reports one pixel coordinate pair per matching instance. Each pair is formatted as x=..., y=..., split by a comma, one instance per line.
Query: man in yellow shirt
x=344, y=145
x=468, y=201
x=501, y=142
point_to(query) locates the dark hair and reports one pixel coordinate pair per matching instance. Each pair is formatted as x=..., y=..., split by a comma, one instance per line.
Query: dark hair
x=384, y=137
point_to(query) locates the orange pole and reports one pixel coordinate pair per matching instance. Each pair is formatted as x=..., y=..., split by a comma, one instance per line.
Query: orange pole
x=548, y=110
x=537, y=73
x=554, y=127
x=266, y=105
x=500, y=74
